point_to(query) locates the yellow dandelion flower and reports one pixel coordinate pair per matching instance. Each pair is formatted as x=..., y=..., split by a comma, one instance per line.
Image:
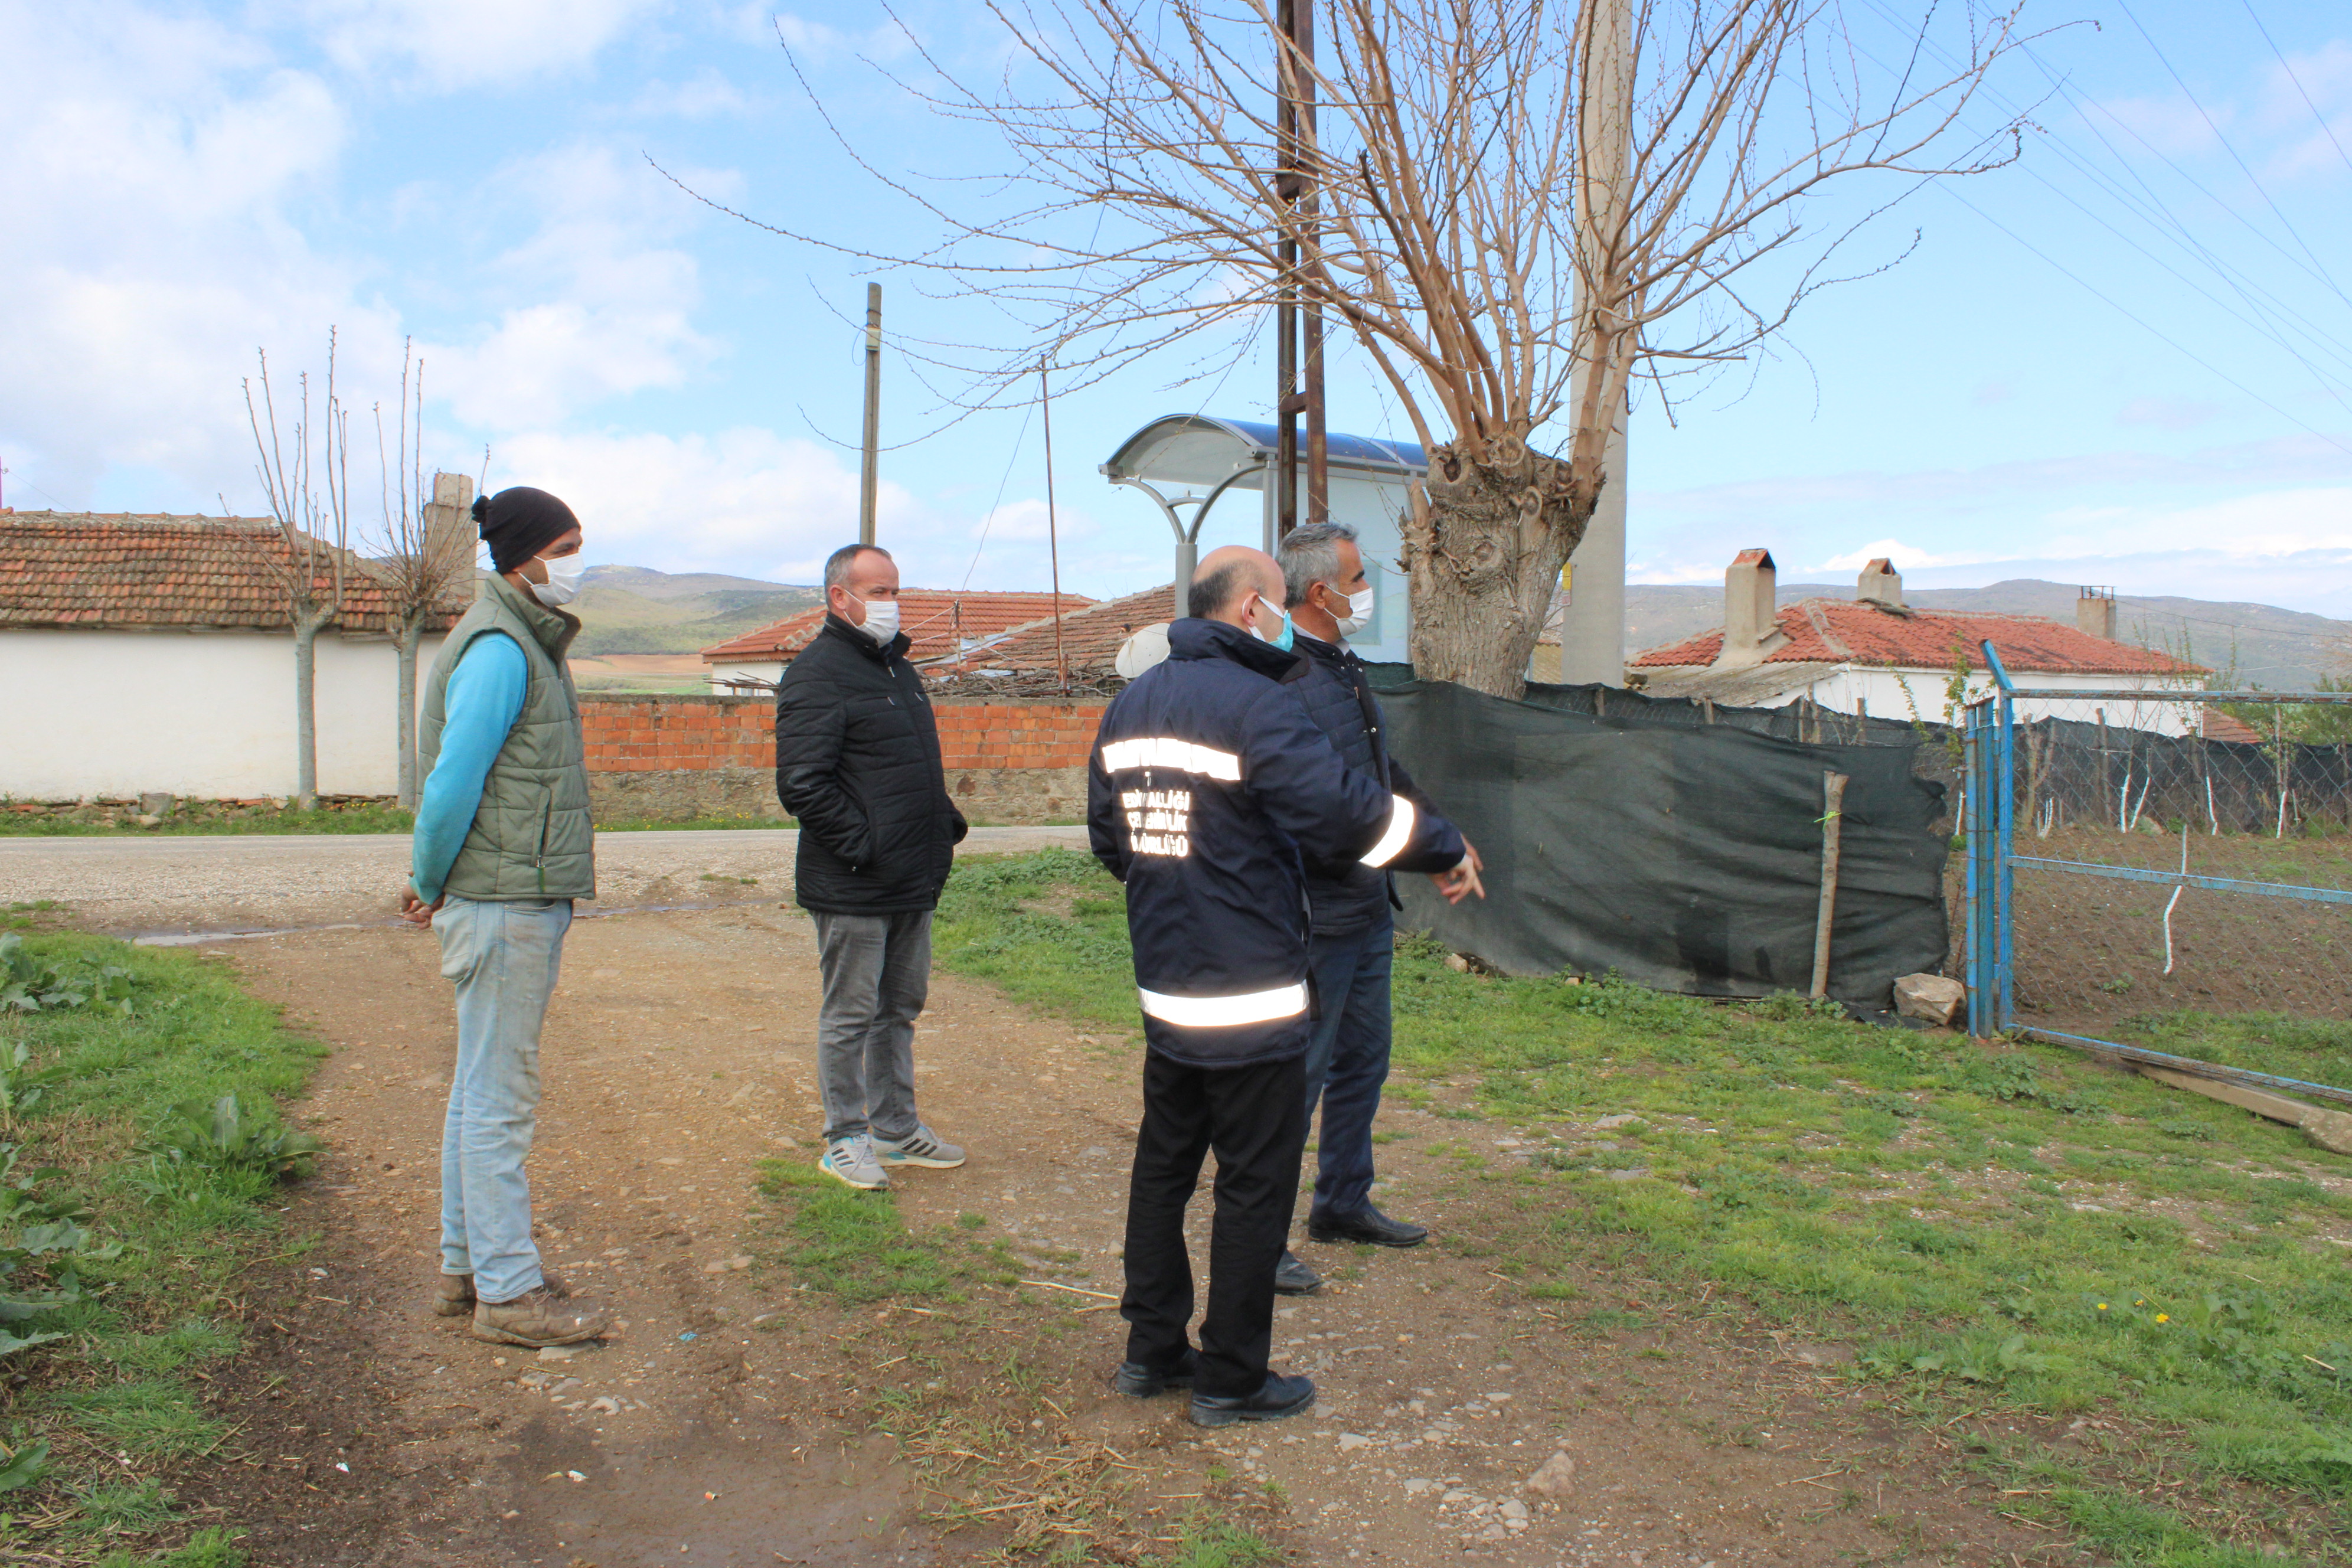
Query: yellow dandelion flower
x=2103, y=1306
x=2164, y=1317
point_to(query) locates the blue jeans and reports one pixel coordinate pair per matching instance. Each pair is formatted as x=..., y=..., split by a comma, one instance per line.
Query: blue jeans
x=504, y=957
x=1348, y=1058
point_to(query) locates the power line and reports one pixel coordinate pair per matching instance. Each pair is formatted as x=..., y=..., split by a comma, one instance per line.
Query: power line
x=2280, y=55
x=2096, y=293
x=2251, y=178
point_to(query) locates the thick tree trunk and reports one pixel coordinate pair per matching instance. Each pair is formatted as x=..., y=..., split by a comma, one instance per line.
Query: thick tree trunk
x=1483, y=551
x=405, y=636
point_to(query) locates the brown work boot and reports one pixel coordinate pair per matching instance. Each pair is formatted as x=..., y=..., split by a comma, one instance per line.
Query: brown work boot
x=453, y=1296
x=537, y=1318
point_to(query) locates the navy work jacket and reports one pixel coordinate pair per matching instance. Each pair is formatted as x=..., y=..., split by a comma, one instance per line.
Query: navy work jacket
x=1351, y=897
x=1209, y=790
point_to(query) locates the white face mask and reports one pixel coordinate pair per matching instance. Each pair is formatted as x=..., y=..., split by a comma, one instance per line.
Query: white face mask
x=562, y=585
x=1359, y=612
x=881, y=621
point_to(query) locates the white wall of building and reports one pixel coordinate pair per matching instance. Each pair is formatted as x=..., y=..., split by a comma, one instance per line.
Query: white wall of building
x=1923, y=694
x=771, y=671
x=202, y=715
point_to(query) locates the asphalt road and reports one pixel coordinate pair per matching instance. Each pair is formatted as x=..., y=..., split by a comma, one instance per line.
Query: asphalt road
x=185, y=884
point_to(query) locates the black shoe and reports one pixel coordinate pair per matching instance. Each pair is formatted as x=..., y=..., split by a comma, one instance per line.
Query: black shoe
x=1276, y=1397
x=1293, y=1278
x=1367, y=1223
x=1138, y=1380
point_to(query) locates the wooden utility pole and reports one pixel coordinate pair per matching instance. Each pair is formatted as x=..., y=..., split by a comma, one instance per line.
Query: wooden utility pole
x=1592, y=634
x=1052, y=534
x=869, y=475
x=1296, y=393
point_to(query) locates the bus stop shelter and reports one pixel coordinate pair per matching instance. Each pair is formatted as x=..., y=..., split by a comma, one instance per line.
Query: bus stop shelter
x=1188, y=462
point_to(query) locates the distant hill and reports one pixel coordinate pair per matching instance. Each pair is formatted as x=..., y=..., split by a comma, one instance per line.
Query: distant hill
x=634, y=609
x=2285, y=650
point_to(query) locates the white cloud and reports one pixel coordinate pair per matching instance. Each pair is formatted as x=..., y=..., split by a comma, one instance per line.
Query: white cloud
x=706, y=95
x=469, y=43
x=604, y=308
x=153, y=243
x=1906, y=557
x=1025, y=521
x=2167, y=413
x=743, y=500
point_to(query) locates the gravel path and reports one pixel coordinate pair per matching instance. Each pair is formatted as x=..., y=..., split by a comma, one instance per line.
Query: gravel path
x=183, y=884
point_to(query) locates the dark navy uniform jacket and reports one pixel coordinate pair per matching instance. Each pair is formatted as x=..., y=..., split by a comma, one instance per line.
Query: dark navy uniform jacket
x=1351, y=897
x=1209, y=790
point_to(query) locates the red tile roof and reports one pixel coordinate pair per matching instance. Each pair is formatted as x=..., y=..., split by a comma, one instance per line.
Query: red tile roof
x=97, y=570
x=1845, y=631
x=2219, y=726
x=939, y=623
x=1090, y=637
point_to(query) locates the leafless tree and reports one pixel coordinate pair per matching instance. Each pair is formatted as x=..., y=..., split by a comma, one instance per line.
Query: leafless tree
x=315, y=532
x=424, y=568
x=1513, y=207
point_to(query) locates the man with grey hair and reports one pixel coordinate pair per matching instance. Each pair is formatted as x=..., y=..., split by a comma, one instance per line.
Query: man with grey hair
x=1352, y=944
x=858, y=763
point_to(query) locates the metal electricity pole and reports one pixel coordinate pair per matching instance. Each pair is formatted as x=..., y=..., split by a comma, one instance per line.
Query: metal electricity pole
x=869, y=475
x=1592, y=634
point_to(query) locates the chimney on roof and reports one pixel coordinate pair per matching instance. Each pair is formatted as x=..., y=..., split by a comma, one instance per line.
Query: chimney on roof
x=2094, y=613
x=450, y=532
x=1751, y=622
x=1880, y=584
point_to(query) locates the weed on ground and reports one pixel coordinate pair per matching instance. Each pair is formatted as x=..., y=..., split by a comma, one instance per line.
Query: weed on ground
x=1998, y=1230
x=954, y=1370
x=140, y=1159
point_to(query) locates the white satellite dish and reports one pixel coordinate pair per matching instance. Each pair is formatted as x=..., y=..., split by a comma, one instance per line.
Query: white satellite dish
x=1141, y=651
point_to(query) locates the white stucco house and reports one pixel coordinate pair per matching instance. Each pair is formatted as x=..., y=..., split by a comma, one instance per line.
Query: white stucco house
x=153, y=654
x=1873, y=654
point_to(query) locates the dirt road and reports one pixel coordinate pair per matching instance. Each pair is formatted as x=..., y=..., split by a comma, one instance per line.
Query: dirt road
x=731, y=1420
x=181, y=884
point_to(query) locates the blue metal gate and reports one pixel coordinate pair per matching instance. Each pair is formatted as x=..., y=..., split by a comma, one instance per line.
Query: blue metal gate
x=2170, y=754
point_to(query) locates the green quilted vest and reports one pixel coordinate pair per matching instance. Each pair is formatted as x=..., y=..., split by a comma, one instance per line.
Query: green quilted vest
x=532, y=838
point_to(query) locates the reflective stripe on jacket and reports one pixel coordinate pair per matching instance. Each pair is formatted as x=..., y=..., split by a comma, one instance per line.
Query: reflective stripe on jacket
x=1209, y=789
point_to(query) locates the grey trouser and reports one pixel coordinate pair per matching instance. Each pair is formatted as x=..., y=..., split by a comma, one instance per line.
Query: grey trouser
x=877, y=971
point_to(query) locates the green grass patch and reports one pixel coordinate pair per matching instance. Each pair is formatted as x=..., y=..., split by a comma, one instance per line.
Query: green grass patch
x=156, y=1137
x=1214, y=1543
x=856, y=1246
x=1047, y=928
x=210, y=818
x=2005, y=1226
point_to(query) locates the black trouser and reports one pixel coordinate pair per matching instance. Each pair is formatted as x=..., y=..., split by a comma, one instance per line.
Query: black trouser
x=1255, y=1119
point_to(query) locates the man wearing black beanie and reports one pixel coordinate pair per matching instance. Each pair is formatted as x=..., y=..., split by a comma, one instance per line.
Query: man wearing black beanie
x=503, y=845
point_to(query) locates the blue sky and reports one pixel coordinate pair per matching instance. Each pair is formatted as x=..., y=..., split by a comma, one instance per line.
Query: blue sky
x=190, y=181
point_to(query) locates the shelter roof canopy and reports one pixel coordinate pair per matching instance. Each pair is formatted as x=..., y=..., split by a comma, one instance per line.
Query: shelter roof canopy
x=1200, y=449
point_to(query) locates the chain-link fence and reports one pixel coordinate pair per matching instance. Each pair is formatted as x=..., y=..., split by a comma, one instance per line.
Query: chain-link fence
x=2158, y=871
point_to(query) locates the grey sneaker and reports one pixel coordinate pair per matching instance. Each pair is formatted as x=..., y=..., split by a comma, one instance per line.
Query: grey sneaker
x=921, y=1147
x=537, y=1318
x=852, y=1159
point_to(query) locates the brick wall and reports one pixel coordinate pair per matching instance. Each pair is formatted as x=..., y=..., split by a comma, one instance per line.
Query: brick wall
x=1018, y=735
x=659, y=734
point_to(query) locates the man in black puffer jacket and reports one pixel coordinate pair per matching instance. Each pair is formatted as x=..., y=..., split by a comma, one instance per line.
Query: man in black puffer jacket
x=858, y=763
x=1353, y=945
